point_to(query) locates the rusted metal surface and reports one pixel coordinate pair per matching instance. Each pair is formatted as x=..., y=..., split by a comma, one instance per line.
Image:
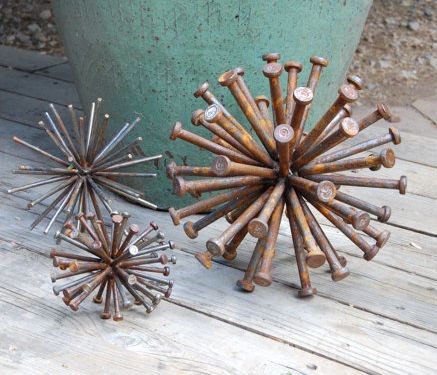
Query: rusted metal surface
x=293, y=68
x=87, y=165
x=206, y=144
x=223, y=166
x=392, y=136
x=198, y=118
x=346, y=94
x=259, y=227
x=286, y=169
x=216, y=114
x=339, y=179
x=234, y=83
x=338, y=272
x=272, y=71
x=120, y=266
x=385, y=158
x=262, y=276
x=283, y=135
x=347, y=128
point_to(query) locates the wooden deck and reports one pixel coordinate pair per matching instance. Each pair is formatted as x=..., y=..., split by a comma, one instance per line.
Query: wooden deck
x=380, y=320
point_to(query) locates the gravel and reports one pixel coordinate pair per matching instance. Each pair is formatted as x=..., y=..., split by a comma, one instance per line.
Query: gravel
x=397, y=54
x=29, y=24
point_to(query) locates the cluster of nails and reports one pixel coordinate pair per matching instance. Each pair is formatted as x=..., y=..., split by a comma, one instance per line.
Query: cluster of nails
x=120, y=262
x=88, y=165
x=286, y=169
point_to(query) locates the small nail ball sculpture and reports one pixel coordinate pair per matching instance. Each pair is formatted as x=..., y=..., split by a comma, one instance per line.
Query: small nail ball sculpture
x=87, y=166
x=125, y=261
x=284, y=167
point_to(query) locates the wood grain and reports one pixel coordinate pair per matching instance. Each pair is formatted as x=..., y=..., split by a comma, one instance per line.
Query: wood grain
x=380, y=320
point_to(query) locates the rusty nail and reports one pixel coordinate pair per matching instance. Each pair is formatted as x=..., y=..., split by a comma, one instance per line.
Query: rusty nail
x=382, y=111
x=347, y=94
x=393, y=135
x=385, y=158
x=293, y=68
x=347, y=128
x=272, y=71
x=217, y=245
x=283, y=135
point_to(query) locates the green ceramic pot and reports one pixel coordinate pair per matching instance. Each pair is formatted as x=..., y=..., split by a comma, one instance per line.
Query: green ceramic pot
x=148, y=57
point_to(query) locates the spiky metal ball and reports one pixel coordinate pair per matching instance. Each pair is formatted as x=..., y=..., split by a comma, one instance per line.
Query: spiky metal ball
x=124, y=261
x=284, y=168
x=87, y=165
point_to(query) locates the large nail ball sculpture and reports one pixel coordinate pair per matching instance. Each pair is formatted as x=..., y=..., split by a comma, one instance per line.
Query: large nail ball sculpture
x=281, y=166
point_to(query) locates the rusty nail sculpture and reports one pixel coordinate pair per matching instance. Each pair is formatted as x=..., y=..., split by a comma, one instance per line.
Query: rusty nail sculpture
x=125, y=261
x=279, y=167
x=87, y=166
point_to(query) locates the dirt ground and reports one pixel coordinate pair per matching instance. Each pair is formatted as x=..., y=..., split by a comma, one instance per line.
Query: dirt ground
x=396, y=57
x=397, y=54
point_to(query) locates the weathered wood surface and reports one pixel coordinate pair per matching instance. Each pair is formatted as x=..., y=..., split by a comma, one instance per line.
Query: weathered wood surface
x=413, y=119
x=357, y=338
x=371, y=288
x=380, y=320
x=37, y=86
x=40, y=335
x=60, y=71
x=427, y=107
x=25, y=110
x=26, y=60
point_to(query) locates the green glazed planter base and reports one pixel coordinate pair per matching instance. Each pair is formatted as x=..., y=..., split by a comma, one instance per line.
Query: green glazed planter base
x=148, y=56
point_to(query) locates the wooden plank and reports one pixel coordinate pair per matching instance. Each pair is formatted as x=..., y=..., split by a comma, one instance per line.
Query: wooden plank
x=27, y=60
x=32, y=319
x=33, y=135
x=418, y=134
x=395, y=271
x=39, y=87
x=323, y=326
x=409, y=211
x=420, y=265
x=59, y=71
x=383, y=290
x=415, y=148
x=26, y=110
x=427, y=107
x=371, y=285
x=261, y=288
x=395, y=280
